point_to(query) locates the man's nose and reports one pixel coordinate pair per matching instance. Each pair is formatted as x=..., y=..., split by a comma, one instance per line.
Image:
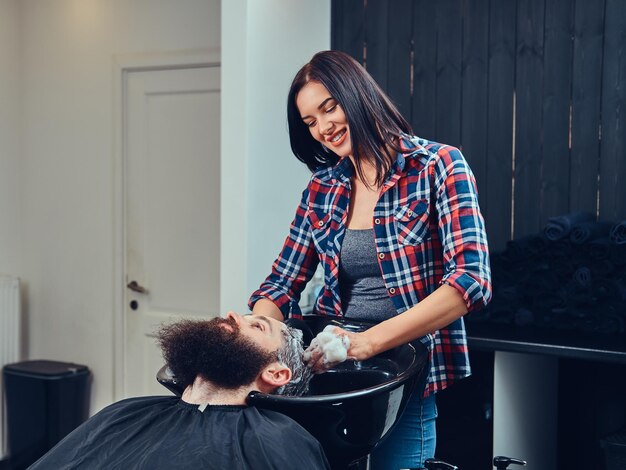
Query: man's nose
x=234, y=316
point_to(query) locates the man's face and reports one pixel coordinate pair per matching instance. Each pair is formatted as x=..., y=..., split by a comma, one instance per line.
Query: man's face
x=262, y=331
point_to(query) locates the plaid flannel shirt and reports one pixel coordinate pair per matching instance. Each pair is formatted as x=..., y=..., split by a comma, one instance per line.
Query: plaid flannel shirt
x=428, y=229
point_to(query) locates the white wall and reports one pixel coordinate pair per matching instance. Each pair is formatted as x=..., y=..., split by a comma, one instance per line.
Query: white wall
x=67, y=50
x=56, y=129
x=264, y=45
x=10, y=247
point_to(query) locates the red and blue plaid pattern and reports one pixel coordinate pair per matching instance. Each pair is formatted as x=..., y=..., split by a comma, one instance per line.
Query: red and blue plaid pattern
x=428, y=229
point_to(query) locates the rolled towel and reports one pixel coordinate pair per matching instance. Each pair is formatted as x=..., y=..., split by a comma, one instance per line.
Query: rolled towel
x=588, y=231
x=565, y=320
x=541, y=281
x=544, y=319
x=600, y=248
x=577, y=295
x=558, y=249
x=515, y=274
x=618, y=255
x=602, y=268
x=603, y=321
x=559, y=227
x=508, y=293
x=479, y=316
x=609, y=289
x=524, y=317
x=582, y=277
x=501, y=313
x=549, y=302
x=563, y=267
x=522, y=248
x=618, y=233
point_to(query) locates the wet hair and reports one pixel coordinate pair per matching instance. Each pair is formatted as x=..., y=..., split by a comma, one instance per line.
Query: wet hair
x=375, y=123
x=291, y=356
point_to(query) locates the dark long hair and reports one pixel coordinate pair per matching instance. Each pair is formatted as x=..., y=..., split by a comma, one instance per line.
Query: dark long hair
x=375, y=123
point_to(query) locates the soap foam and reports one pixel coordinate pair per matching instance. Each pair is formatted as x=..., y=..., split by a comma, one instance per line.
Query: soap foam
x=333, y=347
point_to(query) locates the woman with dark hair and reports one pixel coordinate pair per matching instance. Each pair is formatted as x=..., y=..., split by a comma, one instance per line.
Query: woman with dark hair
x=395, y=223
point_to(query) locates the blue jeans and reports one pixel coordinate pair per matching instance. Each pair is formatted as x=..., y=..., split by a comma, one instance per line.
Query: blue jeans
x=412, y=440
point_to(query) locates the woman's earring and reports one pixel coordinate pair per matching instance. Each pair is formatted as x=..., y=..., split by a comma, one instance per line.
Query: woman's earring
x=325, y=148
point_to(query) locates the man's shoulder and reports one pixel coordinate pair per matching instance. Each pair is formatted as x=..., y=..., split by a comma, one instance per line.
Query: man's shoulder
x=276, y=430
x=137, y=404
x=272, y=423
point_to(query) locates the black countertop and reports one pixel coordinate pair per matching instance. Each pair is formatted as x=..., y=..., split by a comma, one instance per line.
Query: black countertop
x=570, y=344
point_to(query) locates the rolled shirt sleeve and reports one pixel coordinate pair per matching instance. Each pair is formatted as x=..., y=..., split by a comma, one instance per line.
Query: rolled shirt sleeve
x=461, y=228
x=294, y=266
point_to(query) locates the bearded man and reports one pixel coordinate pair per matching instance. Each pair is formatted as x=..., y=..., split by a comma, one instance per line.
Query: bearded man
x=219, y=362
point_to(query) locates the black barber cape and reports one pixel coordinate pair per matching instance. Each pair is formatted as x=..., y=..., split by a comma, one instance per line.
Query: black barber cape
x=167, y=433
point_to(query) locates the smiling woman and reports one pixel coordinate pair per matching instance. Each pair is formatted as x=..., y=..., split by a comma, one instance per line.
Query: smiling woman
x=394, y=221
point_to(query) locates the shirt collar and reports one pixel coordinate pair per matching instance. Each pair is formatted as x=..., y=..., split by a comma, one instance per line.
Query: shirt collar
x=410, y=148
x=343, y=170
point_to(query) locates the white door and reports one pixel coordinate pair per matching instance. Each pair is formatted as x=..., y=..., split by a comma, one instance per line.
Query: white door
x=171, y=184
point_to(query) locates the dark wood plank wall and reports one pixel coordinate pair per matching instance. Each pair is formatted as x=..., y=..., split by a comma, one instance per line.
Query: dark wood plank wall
x=532, y=91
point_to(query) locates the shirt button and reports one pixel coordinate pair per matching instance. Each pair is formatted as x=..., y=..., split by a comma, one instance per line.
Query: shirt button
x=392, y=291
x=377, y=221
x=381, y=255
x=320, y=223
x=409, y=213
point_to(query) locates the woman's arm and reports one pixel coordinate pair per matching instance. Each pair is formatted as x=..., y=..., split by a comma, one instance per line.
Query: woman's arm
x=436, y=311
x=267, y=308
x=291, y=271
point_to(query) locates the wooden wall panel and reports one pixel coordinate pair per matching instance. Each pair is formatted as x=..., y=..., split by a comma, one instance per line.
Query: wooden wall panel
x=498, y=187
x=557, y=88
x=475, y=74
x=448, y=85
x=424, y=69
x=376, y=40
x=613, y=146
x=586, y=94
x=532, y=91
x=399, y=55
x=348, y=27
x=529, y=102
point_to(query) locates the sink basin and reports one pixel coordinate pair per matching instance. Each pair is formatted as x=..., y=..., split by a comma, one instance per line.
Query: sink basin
x=353, y=406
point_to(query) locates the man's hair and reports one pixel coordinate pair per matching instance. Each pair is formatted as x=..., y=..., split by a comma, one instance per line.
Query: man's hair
x=290, y=355
x=375, y=123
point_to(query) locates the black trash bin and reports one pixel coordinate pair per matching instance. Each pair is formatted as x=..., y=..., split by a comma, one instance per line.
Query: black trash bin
x=45, y=400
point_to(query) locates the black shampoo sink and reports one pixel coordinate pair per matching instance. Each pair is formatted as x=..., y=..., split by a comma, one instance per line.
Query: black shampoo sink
x=353, y=406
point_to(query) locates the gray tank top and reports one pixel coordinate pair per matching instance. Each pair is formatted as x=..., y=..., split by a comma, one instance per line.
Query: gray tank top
x=363, y=292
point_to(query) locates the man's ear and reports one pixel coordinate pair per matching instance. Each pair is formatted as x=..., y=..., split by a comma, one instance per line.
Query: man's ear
x=275, y=375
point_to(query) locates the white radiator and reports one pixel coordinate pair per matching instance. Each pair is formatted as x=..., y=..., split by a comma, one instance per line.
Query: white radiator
x=10, y=321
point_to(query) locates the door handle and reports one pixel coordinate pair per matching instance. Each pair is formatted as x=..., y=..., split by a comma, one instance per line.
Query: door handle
x=135, y=287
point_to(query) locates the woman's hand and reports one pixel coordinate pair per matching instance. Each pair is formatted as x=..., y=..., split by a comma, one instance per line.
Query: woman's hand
x=361, y=345
x=334, y=345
